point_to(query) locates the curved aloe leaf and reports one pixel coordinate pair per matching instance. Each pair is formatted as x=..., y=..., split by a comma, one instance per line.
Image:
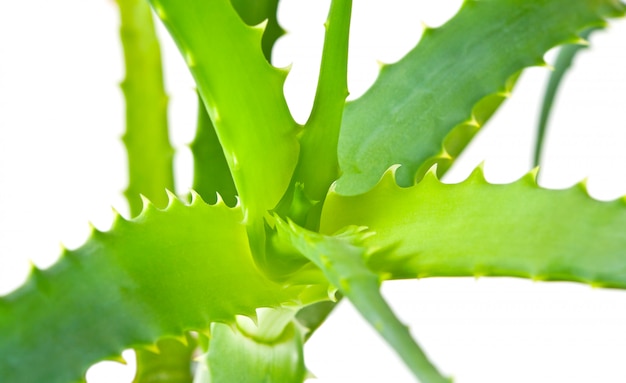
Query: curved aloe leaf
x=155, y=276
x=342, y=258
x=563, y=63
x=211, y=173
x=146, y=137
x=478, y=229
x=243, y=95
x=437, y=86
x=318, y=166
x=269, y=351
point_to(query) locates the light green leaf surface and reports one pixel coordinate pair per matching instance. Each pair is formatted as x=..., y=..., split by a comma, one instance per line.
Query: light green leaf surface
x=269, y=351
x=342, y=258
x=415, y=103
x=149, y=160
x=563, y=62
x=146, y=138
x=478, y=229
x=211, y=175
x=243, y=95
x=169, y=362
x=255, y=12
x=318, y=166
x=158, y=275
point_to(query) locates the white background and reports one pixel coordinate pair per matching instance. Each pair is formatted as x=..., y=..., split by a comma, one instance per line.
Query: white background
x=62, y=165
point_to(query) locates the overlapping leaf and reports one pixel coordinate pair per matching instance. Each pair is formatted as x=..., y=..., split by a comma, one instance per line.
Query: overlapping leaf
x=149, y=151
x=478, y=229
x=342, y=258
x=269, y=351
x=158, y=275
x=243, y=95
x=456, y=76
x=211, y=175
x=318, y=165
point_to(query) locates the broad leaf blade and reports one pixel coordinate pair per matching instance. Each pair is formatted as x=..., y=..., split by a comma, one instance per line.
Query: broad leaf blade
x=158, y=275
x=478, y=229
x=407, y=114
x=242, y=93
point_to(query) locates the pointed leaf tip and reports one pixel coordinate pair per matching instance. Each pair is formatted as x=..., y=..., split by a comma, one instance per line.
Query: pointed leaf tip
x=117, y=358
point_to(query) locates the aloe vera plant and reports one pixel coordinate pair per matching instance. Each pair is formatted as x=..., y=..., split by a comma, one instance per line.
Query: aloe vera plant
x=285, y=219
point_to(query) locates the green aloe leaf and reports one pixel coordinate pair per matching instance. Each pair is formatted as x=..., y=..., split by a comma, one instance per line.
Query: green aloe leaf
x=211, y=175
x=318, y=166
x=455, y=77
x=478, y=229
x=270, y=350
x=342, y=259
x=255, y=12
x=150, y=167
x=159, y=275
x=563, y=62
x=169, y=362
x=243, y=95
x=146, y=138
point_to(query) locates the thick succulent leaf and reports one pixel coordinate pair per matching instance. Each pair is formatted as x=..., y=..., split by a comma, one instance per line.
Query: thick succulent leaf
x=318, y=166
x=146, y=137
x=270, y=350
x=342, y=258
x=243, y=95
x=479, y=229
x=149, y=158
x=155, y=276
x=563, y=63
x=211, y=175
x=437, y=86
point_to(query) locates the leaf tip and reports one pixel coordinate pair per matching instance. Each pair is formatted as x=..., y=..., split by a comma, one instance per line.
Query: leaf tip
x=426, y=29
x=158, y=9
x=117, y=358
x=38, y=277
x=478, y=174
x=152, y=347
x=381, y=65
x=532, y=176
x=332, y=293
x=196, y=198
x=172, y=199
x=584, y=185
x=145, y=202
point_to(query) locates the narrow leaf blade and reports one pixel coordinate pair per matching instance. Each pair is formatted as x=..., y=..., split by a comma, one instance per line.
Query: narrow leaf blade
x=150, y=154
x=564, y=61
